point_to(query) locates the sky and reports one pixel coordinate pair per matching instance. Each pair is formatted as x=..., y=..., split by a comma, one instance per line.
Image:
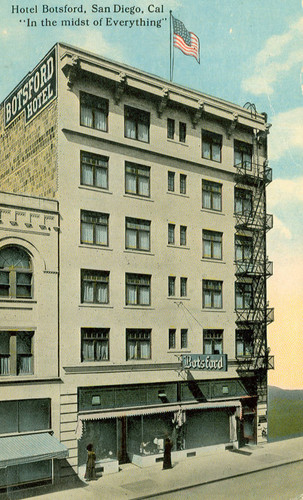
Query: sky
x=251, y=51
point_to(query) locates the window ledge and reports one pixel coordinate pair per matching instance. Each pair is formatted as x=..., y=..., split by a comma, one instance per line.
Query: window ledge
x=102, y=306
x=175, y=141
x=139, y=252
x=145, y=308
x=95, y=188
x=179, y=351
x=177, y=298
x=18, y=301
x=13, y=378
x=137, y=197
x=217, y=261
x=212, y=161
x=183, y=247
x=94, y=363
x=204, y=309
x=96, y=247
x=210, y=211
x=182, y=195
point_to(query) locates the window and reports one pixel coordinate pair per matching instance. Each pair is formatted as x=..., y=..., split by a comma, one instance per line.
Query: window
x=211, y=195
x=211, y=146
x=212, y=245
x=170, y=128
x=243, y=154
x=137, y=179
x=138, y=289
x=16, y=353
x=212, y=294
x=183, y=183
x=25, y=415
x=243, y=202
x=183, y=287
x=137, y=124
x=15, y=273
x=184, y=338
x=244, y=343
x=137, y=234
x=171, y=234
x=183, y=235
x=243, y=248
x=138, y=343
x=94, y=344
x=171, y=181
x=182, y=132
x=171, y=286
x=244, y=295
x=94, y=228
x=172, y=338
x=94, y=170
x=213, y=341
x=93, y=111
x=94, y=286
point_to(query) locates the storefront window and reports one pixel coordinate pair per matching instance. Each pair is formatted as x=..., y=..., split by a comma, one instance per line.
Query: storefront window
x=146, y=434
x=103, y=435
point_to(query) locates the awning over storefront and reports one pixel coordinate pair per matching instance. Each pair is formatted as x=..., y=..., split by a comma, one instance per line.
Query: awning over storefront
x=16, y=450
x=150, y=410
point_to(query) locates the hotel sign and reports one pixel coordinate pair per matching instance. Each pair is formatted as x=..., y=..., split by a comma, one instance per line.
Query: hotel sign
x=35, y=91
x=207, y=362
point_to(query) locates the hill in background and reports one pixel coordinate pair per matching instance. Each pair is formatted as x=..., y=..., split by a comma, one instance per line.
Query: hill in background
x=285, y=413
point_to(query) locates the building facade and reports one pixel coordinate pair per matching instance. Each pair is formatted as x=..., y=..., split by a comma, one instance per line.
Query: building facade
x=153, y=200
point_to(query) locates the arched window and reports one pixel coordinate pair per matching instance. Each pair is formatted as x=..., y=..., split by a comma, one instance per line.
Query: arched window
x=15, y=273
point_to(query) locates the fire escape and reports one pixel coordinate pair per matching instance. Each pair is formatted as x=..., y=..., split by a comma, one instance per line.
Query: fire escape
x=253, y=267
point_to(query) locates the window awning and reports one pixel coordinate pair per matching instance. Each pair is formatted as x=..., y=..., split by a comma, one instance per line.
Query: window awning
x=17, y=450
x=150, y=410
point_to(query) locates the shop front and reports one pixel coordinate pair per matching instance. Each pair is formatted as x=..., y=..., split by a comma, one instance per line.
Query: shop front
x=27, y=460
x=130, y=423
x=137, y=435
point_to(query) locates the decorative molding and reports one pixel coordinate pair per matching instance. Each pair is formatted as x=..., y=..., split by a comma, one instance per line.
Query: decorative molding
x=198, y=112
x=73, y=71
x=163, y=101
x=232, y=126
x=119, y=368
x=120, y=87
x=261, y=135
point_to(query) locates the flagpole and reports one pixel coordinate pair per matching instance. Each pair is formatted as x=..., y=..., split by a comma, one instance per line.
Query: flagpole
x=170, y=47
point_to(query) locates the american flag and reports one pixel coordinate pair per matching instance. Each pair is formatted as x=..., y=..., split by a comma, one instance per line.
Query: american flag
x=185, y=40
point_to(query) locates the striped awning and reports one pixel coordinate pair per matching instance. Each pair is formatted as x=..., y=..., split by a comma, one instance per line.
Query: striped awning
x=27, y=448
x=150, y=410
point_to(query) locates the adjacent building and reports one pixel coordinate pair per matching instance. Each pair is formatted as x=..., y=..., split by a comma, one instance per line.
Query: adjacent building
x=133, y=266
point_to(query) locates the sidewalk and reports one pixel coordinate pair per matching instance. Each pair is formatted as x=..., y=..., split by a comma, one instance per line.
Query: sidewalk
x=135, y=483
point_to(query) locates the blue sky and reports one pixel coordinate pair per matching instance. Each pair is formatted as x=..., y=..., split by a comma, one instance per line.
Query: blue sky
x=250, y=51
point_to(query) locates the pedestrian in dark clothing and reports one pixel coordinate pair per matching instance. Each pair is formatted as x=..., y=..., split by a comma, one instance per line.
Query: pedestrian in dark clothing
x=167, y=453
x=90, y=472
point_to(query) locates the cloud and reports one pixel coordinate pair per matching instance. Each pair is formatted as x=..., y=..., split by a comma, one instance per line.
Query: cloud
x=279, y=55
x=286, y=133
x=280, y=229
x=93, y=41
x=285, y=191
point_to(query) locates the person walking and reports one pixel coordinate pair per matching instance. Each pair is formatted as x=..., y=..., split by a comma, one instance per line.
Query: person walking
x=90, y=472
x=167, y=453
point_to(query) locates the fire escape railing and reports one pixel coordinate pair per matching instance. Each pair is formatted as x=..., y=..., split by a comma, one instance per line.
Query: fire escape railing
x=254, y=222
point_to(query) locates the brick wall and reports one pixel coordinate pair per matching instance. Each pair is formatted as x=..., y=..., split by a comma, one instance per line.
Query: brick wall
x=28, y=154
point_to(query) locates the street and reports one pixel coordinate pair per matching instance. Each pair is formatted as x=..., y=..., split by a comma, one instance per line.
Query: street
x=280, y=483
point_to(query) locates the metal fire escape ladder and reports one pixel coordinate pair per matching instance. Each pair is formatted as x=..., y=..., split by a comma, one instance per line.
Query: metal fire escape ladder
x=254, y=223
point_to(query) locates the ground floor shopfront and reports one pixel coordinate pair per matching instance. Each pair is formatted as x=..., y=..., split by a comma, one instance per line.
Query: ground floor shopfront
x=195, y=416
